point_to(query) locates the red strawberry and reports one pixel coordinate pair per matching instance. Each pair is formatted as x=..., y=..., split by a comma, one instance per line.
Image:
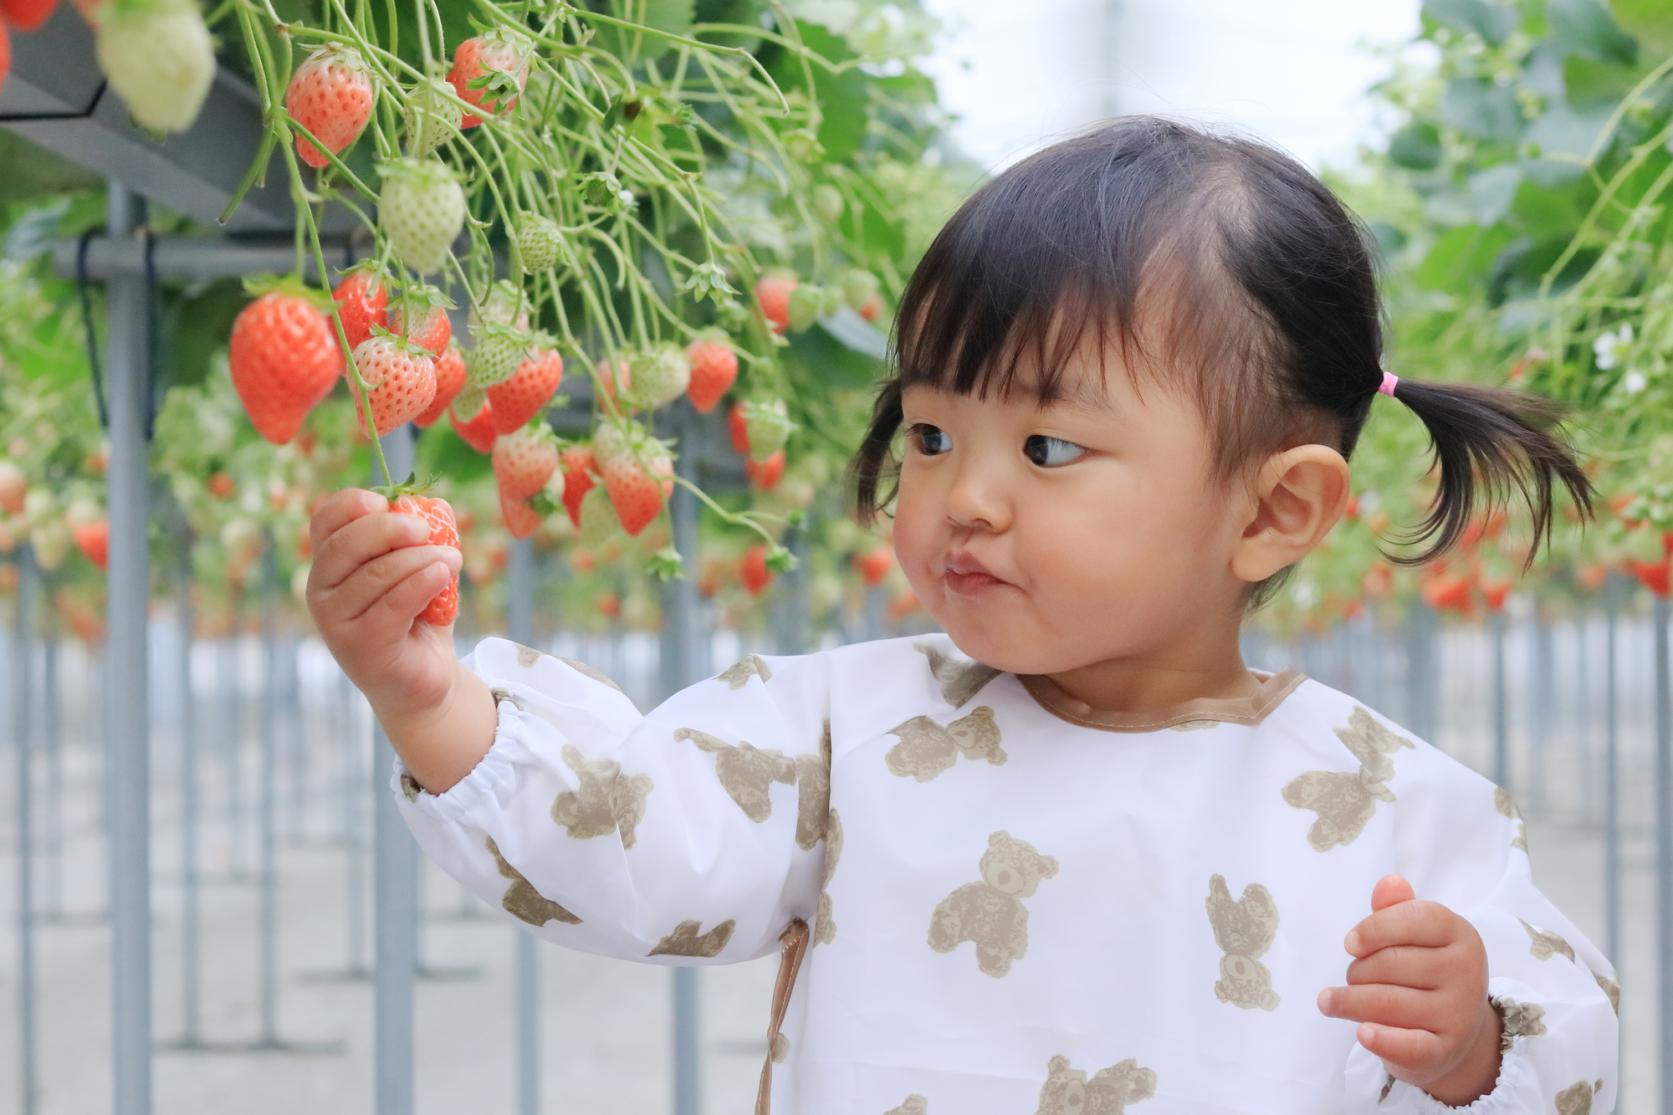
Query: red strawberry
x=773, y=294
x=26, y=15
x=361, y=301
x=221, y=485
x=1657, y=576
x=618, y=386
x=529, y=389
x=5, y=54
x=477, y=431
x=284, y=359
x=578, y=469
x=523, y=461
x=432, y=333
x=714, y=367
x=610, y=605
x=875, y=563
x=738, y=424
x=753, y=571
x=402, y=379
x=330, y=94
x=444, y=531
x=636, y=470
x=93, y=539
x=14, y=488
x=450, y=380
x=521, y=519
x=765, y=475
x=1495, y=590
x=483, y=56
x=871, y=307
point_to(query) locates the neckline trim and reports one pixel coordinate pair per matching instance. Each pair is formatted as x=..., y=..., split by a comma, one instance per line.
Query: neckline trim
x=1249, y=710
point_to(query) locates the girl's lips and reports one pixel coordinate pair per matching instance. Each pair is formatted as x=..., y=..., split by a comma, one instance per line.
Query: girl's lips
x=970, y=584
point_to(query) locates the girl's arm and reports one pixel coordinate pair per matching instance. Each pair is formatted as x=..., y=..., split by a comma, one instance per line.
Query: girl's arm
x=693, y=833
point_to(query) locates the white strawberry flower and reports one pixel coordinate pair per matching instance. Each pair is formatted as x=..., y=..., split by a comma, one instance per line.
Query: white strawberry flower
x=1633, y=382
x=1607, y=345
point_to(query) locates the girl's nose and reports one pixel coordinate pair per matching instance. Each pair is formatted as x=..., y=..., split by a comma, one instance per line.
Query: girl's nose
x=977, y=499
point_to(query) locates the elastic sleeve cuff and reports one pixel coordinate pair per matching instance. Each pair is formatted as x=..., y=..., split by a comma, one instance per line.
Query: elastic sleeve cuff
x=492, y=782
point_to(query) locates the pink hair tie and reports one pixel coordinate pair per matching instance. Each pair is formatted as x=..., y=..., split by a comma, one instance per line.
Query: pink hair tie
x=1389, y=380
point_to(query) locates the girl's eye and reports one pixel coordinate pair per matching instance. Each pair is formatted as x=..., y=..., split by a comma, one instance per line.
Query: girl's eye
x=928, y=440
x=1051, y=452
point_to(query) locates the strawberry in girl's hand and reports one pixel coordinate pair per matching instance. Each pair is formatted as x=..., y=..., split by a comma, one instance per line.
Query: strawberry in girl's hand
x=637, y=473
x=159, y=58
x=330, y=94
x=450, y=380
x=714, y=368
x=93, y=539
x=529, y=389
x=773, y=294
x=578, y=469
x=524, y=460
x=478, y=431
x=753, y=570
x=284, y=359
x=444, y=531
x=362, y=299
x=499, y=60
x=765, y=475
x=422, y=209
x=401, y=378
x=26, y=15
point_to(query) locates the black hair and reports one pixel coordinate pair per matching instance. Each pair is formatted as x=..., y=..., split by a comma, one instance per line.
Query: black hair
x=1238, y=280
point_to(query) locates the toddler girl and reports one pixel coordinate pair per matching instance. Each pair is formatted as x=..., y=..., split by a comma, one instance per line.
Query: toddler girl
x=1073, y=856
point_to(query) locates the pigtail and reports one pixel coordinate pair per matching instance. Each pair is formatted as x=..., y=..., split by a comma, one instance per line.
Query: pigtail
x=872, y=461
x=1497, y=437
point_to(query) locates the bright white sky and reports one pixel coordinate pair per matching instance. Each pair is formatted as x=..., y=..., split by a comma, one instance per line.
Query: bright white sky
x=1293, y=72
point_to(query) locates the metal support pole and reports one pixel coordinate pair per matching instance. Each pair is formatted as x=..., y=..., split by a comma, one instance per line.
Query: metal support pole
x=1664, y=846
x=395, y=885
x=268, y=866
x=190, y=958
x=520, y=626
x=50, y=732
x=1501, y=704
x=684, y=660
x=22, y=698
x=1612, y=785
x=233, y=675
x=298, y=719
x=1543, y=677
x=127, y=357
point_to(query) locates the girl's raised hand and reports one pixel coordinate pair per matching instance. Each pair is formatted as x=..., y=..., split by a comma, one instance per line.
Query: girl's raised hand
x=1418, y=986
x=373, y=573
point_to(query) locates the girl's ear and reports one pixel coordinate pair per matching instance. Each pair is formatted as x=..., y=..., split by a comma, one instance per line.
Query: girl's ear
x=1298, y=496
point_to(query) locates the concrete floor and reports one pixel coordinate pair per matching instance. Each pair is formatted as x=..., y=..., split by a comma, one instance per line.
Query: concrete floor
x=605, y=1042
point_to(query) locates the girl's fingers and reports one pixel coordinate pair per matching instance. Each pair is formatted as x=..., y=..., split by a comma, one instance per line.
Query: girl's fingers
x=342, y=554
x=1417, y=1052
x=1405, y=923
x=1404, y=965
x=1381, y=1003
x=393, y=613
x=338, y=510
x=369, y=584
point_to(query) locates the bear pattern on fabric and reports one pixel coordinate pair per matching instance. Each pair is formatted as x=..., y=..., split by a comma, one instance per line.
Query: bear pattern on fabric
x=990, y=913
x=1506, y=805
x=686, y=941
x=824, y=927
x=1067, y=1091
x=1345, y=800
x=604, y=801
x=1546, y=945
x=522, y=901
x=1244, y=929
x=959, y=679
x=912, y=1105
x=1611, y=989
x=592, y=672
x=813, y=792
x=745, y=770
x=926, y=748
x=1521, y=1020
x=749, y=666
x=1576, y=1099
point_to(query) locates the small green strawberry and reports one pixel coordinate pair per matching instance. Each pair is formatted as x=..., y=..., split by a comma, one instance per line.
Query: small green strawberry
x=539, y=241
x=505, y=305
x=858, y=287
x=828, y=205
x=595, y=519
x=768, y=425
x=499, y=350
x=431, y=117
x=660, y=376
x=807, y=303
x=422, y=210
x=159, y=58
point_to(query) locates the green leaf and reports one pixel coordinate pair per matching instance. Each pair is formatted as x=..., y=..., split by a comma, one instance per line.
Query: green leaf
x=1569, y=131
x=1651, y=21
x=1492, y=21
x=1417, y=146
x=1460, y=256
x=842, y=97
x=672, y=16
x=1491, y=190
x=1481, y=109
x=1586, y=27
x=1588, y=81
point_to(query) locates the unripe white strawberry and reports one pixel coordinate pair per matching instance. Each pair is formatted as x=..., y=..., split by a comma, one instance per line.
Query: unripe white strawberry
x=539, y=241
x=430, y=116
x=158, y=57
x=769, y=425
x=499, y=349
x=660, y=376
x=422, y=209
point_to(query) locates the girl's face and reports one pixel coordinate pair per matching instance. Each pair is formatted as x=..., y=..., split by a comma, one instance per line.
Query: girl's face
x=1045, y=539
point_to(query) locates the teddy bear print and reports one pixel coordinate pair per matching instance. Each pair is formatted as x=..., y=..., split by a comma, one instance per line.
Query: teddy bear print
x=927, y=748
x=991, y=912
x=686, y=941
x=738, y=674
x=506, y=695
x=522, y=901
x=1067, y=1091
x=912, y=1105
x=1546, y=945
x=1521, y=1020
x=1611, y=989
x=591, y=671
x=526, y=656
x=1576, y=1099
x=813, y=792
x=1507, y=805
x=1244, y=929
x=745, y=771
x=410, y=787
x=1345, y=800
x=824, y=928
x=604, y=800
x=959, y=679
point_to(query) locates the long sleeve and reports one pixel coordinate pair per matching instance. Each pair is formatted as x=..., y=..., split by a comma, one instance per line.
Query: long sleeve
x=690, y=834
x=1460, y=842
